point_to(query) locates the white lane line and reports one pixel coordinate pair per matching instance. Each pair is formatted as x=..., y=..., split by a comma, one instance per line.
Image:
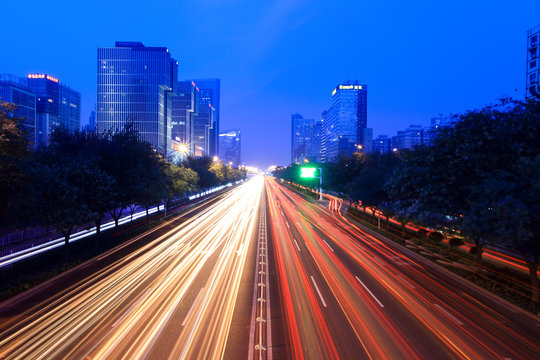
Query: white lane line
x=327, y=244
x=318, y=291
x=192, y=307
x=282, y=213
x=287, y=223
x=456, y=320
x=369, y=291
x=406, y=282
x=298, y=247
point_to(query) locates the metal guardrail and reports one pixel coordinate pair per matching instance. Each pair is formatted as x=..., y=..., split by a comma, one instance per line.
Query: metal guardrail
x=262, y=321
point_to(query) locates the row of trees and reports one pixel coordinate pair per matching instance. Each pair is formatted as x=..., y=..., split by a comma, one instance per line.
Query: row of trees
x=480, y=177
x=79, y=178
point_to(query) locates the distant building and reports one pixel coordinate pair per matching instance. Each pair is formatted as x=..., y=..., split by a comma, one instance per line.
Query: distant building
x=430, y=132
x=366, y=141
x=532, y=89
x=300, y=137
x=209, y=94
x=344, y=122
x=56, y=105
x=314, y=145
x=409, y=138
x=136, y=85
x=16, y=91
x=305, y=139
x=91, y=122
x=230, y=147
x=381, y=144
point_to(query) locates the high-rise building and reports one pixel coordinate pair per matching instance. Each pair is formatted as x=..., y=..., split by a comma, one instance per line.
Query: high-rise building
x=16, y=91
x=314, y=145
x=532, y=89
x=209, y=94
x=135, y=85
x=229, y=147
x=56, y=105
x=92, y=121
x=344, y=122
x=184, y=106
x=300, y=137
x=201, y=127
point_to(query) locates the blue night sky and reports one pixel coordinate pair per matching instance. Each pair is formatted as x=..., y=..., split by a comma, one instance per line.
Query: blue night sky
x=418, y=58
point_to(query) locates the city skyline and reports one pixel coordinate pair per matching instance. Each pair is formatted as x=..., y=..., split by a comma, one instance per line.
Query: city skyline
x=448, y=69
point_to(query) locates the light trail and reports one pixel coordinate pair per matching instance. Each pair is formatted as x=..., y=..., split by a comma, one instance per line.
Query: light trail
x=404, y=307
x=172, y=298
x=58, y=242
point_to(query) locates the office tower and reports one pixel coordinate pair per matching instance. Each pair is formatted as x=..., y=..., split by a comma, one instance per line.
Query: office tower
x=324, y=121
x=344, y=122
x=201, y=127
x=532, y=89
x=135, y=85
x=184, y=106
x=381, y=144
x=301, y=134
x=56, y=105
x=91, y=121
x=209, y=94
x=314, y=145
x=16, y=91
x=229, y=147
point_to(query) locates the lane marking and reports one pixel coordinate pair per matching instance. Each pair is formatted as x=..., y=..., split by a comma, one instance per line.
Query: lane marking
x=287, y=223
x=406, y=282
x=456, y=320
x=192, y=307
x=298, y=247
x=369, y=291
x=328, y=245
x=318, y=291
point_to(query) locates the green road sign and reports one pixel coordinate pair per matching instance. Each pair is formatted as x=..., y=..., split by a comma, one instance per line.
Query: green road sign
x=307, y=172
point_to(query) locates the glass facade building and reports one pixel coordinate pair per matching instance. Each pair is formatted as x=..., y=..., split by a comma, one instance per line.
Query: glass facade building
x=134, y=84
x=210, y=95
x=345, y=121
x=16, y=91
x=532, y=88
x=184, y=106
x=230, y=147
x=56, y=105
x=301, y=139
x=201, y=127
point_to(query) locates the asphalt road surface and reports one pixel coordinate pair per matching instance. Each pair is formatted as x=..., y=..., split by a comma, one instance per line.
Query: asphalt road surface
x=344, y=292
x=171, y=298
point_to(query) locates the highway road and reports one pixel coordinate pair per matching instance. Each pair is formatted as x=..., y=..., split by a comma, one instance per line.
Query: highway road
x=173, y=298
x=344, y=292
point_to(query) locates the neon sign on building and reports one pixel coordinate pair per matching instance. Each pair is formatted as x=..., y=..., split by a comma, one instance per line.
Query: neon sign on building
x=42, y=76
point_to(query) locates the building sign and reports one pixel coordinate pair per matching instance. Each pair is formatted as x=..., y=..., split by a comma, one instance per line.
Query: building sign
x=42, y=76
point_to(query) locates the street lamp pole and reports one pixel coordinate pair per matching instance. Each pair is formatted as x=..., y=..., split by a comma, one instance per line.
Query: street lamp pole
x=320, y=184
